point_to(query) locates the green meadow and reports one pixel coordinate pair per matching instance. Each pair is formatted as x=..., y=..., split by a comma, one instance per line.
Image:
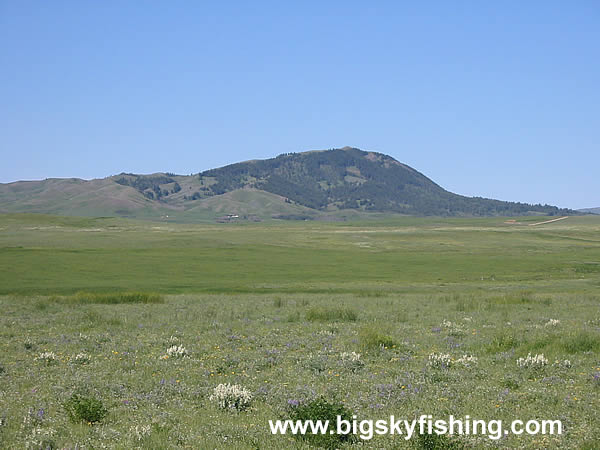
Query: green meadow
x=115, y=333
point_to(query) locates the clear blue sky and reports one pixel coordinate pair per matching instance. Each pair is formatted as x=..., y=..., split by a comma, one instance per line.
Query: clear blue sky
x=498, y=99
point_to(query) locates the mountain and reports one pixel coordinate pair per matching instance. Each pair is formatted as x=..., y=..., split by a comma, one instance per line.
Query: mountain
x=590, y=210
x=335, y=183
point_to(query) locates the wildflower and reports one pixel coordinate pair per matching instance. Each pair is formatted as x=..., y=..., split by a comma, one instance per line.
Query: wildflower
x=350, y=356
x=326, y=333
x=453, y=328
x=40, y=438
x=47, y=357
x=565, y=363
x=552, y=323
x=141, y=431
x=536, y=361
x=467, y=360
x=81, y=358
x=231, y=396
x=440, y=361
x=176, y=351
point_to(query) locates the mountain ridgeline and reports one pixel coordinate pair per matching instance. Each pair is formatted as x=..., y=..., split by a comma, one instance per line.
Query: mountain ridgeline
x=330, y=184
x=350, y=178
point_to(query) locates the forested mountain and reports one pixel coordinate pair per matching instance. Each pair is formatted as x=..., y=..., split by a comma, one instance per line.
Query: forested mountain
x=345, y=182
x=350, y=178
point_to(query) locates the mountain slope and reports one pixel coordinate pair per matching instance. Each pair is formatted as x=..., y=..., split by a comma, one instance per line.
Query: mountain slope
x=350, y=178
x=70, y=196
x=590, y=210
x=304, y=185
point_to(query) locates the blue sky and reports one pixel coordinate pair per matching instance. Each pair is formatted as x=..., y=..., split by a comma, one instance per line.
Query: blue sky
x=495, y=99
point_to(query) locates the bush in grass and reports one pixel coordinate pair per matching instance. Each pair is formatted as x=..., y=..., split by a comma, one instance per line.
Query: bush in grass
x=321, y=409
x=327, y=314
x=503, y=342
x=110, y=298
x=373, y=339
x=585, y=341
x=85, y=409
x=436, y=442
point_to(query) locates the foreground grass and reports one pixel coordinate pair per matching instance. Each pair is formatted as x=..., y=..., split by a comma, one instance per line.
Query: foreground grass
x=88, y=314
x=273, y=347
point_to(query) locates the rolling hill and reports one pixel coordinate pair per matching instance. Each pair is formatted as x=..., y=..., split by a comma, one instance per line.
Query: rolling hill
x=590, y=210
x=332, y=184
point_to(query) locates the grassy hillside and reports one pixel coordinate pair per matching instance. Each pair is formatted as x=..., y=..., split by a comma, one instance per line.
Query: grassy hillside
x=337, y=183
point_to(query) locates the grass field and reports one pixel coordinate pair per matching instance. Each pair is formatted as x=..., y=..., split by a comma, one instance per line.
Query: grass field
x=91, y=306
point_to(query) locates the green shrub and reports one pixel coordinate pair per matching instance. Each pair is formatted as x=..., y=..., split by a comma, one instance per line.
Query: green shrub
x=321, y=409
x=293, y=317
x=582, y=342
x=85, y=409
x=324, y=314
x=436, y=442
x=373, y=294
x=502, y=343
x=84, y=298
x=372, y=339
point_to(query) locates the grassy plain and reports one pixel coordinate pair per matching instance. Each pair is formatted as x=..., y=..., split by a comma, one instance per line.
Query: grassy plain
x=273, y=306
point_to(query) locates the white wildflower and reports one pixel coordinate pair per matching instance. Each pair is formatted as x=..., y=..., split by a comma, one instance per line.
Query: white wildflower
x=40, y=438
x=350, y=356
x=453, y=328
x=231, y=396
x=176, y=351
x=139, y=432
x=552, y=323
x=467, y=360
x=532, y=361
x=46, y=357
x=351, y=361
x=440, y=360
x=326, y=333
x=81, y=358
x=565, y=363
